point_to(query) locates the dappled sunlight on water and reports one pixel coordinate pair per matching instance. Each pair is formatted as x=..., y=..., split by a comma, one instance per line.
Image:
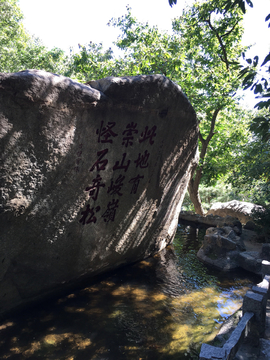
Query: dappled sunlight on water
x=161, y=308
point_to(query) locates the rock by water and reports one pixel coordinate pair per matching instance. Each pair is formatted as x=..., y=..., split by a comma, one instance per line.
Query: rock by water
x=239, y=209
x=92, y=176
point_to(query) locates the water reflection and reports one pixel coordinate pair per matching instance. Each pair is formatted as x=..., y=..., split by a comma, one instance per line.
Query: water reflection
x=161, y=308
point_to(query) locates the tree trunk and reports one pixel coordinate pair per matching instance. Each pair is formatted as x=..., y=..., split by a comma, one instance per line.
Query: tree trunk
x=193, y=190
x=193, y=186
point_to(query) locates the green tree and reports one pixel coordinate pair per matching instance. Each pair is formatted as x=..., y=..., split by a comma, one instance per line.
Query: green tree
x=254, y=168
x=201, y=56
x=211, y=41
x=227, y=145
x=13, y=37
x=37, y=56
x=256, y=75
x=146, y=50
x=92, y=62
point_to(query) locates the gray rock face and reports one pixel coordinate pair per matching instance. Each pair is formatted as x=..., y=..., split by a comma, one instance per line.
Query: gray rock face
x=248, y=260
x=220, y=248
x=92, y=177
x=239, y=209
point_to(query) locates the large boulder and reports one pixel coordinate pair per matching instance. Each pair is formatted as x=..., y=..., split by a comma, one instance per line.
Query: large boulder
x=239, y=209
x=92, y=177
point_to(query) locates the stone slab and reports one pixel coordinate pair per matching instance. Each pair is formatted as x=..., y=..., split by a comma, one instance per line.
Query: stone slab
x=233, y=344
x=209, y=352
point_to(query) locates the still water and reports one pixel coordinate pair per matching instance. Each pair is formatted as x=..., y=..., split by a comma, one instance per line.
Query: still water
x=161, y=308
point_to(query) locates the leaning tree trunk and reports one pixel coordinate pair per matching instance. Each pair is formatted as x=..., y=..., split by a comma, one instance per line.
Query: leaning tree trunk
x=193, y=190
x=193, y=186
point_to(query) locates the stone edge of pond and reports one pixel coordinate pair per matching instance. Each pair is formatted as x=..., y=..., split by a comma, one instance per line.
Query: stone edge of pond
x=250, y=330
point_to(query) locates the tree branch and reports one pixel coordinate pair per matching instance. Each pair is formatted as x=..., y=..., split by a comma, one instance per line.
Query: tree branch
x=220, y=42
x=205, y=142
x=230, y=31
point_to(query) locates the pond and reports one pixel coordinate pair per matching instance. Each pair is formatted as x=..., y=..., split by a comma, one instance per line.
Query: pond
x=164, y=307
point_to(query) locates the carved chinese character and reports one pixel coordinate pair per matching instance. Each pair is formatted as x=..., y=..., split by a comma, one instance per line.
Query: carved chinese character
x=100, y=164
x=91, y=213
x=94, y=189
x=116, y=186
x=129, y=132
x=148, y=134
x=135, y=183
x=105, y=132
x=109, y=214
x=122, y=165
x=142, y=160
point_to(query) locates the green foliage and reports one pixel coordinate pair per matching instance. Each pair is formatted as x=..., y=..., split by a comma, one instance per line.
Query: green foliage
x=250, y=160
x=145, y=49
x=202, y=57
x=211, y=42
x=256, y=78
x=37, y=56
x=252, y=171
x=262, y=219
x=220, y=192
x=227, y=5
x=91, y=63
x=231, y=134
x=13, y=38
x=230, y=4
x=261, y=127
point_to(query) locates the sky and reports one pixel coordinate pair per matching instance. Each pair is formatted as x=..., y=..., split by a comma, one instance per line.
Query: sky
x=67, y=23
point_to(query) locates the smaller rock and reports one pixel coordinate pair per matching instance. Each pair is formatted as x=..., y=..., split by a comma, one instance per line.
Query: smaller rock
x=220, y=248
